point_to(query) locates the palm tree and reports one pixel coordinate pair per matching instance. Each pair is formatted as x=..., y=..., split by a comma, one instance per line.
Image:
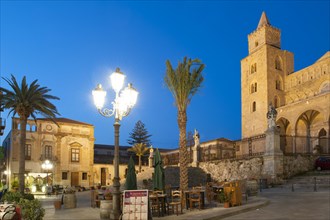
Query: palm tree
x=184, y=82
x=139, y=149
x=26, y=101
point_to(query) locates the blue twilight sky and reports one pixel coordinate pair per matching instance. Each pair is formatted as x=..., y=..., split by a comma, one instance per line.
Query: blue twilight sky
x=70, y=46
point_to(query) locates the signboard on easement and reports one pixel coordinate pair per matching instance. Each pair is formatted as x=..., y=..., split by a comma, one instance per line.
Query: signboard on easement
x=135, y=205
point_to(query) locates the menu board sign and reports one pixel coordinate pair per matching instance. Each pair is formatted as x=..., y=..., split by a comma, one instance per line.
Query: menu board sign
x=135, y=205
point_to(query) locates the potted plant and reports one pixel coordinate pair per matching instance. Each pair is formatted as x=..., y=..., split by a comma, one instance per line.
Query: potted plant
x=57, y=204
x=224, y=198
x=227, y=200
x=108, y=194
x=69, y=198
x=221, y=196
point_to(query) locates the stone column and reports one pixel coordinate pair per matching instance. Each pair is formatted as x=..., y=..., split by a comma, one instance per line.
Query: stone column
x=273, y=157
x=195, y=156
x=195, y=149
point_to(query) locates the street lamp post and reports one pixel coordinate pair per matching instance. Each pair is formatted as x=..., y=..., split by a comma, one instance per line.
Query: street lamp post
x=47, y=165
x=124, y=101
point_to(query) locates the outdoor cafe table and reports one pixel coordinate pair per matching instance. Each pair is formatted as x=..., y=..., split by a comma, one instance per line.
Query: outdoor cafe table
x=162, y=199
x=186, y=196
x=217, y=189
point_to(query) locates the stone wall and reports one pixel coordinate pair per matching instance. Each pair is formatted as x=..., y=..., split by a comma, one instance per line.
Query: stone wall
x=297, y=164
x=251, y=169
x=231, y=169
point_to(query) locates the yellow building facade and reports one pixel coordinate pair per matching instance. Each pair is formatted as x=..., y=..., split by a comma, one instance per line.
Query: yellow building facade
x=67, y=144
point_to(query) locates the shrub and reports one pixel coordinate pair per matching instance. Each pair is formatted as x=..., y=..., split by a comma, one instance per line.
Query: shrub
x=31, y=209
x=28, y=196
x=11, y=197
x=14, y=184
x=224, y=197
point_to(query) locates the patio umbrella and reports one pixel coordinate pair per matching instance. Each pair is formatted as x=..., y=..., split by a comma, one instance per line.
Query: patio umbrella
x=130, y=183
x=159, y=173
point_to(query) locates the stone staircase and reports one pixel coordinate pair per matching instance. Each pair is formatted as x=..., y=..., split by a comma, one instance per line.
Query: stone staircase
x=310, y=181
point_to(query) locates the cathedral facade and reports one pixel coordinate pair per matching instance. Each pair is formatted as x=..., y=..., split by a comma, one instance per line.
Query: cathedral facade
x=301, y=98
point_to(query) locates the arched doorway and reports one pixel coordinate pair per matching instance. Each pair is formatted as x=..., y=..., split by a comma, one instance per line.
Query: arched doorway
x=323, y=141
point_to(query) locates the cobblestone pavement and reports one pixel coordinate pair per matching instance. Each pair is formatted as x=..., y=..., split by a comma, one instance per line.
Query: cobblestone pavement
x=270, y=204
x=287, y=205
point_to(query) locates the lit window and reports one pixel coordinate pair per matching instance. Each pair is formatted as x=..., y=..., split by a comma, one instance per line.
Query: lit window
x=74, y=155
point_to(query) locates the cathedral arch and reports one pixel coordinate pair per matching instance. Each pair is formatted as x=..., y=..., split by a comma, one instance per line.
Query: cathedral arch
x=285, y=138
x=305, y=127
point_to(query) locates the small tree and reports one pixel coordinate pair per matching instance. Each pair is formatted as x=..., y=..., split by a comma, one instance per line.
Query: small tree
x=139, y=135
x=139, y=149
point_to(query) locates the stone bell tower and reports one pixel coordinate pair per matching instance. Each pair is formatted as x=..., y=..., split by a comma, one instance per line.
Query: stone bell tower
x=263, y=73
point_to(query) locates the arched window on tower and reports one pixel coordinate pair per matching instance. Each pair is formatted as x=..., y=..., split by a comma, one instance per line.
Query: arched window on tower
x=276, y=102
x=253, y=87
x=278, y=63
x=254, y=106
x=278, y=85
x=253, y=68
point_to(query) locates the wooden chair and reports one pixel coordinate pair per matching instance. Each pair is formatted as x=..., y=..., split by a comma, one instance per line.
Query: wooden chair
x=195, y=197
x=158, y=192
x=210, y=194
x=176, y=201
x=163, y=207
x=155, y=204
x=168, y=189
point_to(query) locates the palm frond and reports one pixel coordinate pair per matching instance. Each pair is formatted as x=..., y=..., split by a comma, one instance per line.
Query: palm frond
x=185, y=81
x=28, y=100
